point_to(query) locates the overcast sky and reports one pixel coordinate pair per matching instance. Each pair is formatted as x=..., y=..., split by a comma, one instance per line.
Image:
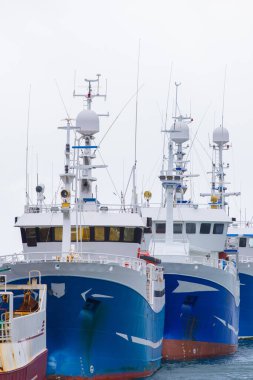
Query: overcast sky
x=46, y=41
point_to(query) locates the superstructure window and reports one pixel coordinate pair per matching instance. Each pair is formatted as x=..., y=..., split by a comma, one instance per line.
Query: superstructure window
x=23, y=235
x=58, y=234
x=177, y=228
x=128, y=234
x=45, y=234
x=191, y=228
x=242, y=242
x=205, y=228
x=114, y=234
x=31, y=237
x=99, y=233
x=250, y=242
x=160, y=228
x=85, y=233
x=218, y=228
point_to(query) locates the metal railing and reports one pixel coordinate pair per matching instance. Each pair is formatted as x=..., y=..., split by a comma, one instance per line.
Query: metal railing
x=88, y=258
x=245, y=259
x=227, y=266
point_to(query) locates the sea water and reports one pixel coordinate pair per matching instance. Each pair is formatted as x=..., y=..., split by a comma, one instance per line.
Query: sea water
x=238, y=366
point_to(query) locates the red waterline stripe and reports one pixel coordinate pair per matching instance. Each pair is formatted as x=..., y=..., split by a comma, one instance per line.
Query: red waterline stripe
x=187, y=349
x=116, y=376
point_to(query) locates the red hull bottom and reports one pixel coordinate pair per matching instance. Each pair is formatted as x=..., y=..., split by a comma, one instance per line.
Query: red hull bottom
x=189, y=350
x=36, y=370
x=116, y=376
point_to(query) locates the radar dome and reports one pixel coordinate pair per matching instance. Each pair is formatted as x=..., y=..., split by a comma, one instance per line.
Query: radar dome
x=220, y=135
x=179, y=132
x=88, y=122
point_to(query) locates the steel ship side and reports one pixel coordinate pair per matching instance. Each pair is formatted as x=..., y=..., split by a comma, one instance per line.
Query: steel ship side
x=105, y=315
x=23, y=352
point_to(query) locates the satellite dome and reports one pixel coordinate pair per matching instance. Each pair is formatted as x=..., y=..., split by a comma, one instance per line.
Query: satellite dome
x=220, y=135
x=88, y=122
x=179, y=132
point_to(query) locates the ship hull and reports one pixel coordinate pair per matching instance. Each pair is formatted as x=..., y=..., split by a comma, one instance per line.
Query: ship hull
x=35, y=370
x=246, y=301
x=97, y=326
x=201, y=315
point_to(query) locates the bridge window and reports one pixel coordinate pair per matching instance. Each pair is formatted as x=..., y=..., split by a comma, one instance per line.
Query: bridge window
x=205, y=228
x=177, y=228
x=58, y=234
x=242, y=242
x=99, y=233
x=128, y=234
x=23, y=235
x=160, y=228
x=45, y=234
x=218, y=228
x=114, y=234
x=191, y=228
x=31, y=237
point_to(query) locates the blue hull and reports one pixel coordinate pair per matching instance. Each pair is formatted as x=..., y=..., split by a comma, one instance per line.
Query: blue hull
x=246, y=306
x=97, y=327
x=198, y=323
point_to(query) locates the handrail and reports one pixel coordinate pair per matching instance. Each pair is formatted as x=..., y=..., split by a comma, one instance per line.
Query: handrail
x=98, y=258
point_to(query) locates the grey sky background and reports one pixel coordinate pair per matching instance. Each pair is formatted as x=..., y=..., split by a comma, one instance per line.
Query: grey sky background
x=44, y=41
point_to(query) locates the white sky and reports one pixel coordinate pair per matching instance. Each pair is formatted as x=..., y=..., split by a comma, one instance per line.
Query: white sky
x=41, y=41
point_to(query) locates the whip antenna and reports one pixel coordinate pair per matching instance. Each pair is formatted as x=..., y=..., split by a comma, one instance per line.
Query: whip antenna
x=27, y=147
x=134, y=193
x=223, y=100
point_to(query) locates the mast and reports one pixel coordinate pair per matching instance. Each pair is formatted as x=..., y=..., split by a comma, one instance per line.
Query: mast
x=67, y=179
x=218, y=185
x=87, y=124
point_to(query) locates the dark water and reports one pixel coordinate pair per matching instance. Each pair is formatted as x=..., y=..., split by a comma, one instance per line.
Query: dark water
x=238, y=366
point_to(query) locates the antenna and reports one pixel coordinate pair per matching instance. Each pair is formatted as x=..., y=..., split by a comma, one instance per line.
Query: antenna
x=89, y=96
x=223, y=98
x=134, y=194
x=27, y=147
x=165, y=124
x=177, y=85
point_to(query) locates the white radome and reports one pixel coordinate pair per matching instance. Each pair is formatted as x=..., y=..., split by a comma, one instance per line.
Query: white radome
x=179, y=132
x=88, y=122
x=220, y=135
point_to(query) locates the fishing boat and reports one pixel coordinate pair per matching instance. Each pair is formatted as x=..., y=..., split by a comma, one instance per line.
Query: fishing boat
x=240, y=239
x=201, y=286
x=105, y=311
x=23, y=352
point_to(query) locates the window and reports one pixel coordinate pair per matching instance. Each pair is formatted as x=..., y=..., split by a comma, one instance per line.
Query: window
x=138, y=233
x=85, y=233
x=242, y=242
x=190, y=228
x=177, y=228
x=73, y=234
x=114, y=234
x=250, y=242
x=23, y=235
x=205, y=228
x=58, y=234
x=129, y=234
x=31, y=237
x=160, y=228
x=99, y=233
x=45, y=234
x=218, y=228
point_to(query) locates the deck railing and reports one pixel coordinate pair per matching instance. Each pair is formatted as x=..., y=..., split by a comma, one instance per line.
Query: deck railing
x=89, y=258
